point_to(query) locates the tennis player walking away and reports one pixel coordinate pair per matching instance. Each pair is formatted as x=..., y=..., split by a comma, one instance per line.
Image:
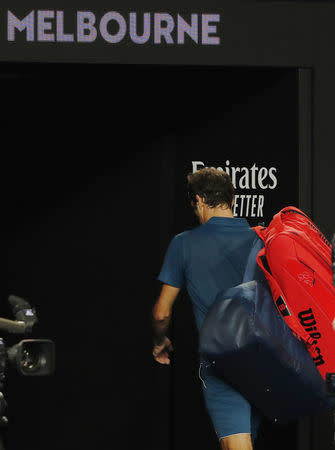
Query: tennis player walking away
x=206, y=260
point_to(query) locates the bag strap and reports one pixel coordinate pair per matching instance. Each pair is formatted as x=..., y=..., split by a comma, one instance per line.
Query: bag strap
x=249, y=273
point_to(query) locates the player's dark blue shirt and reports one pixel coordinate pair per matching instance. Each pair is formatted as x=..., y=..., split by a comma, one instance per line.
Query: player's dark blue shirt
x=207, y=260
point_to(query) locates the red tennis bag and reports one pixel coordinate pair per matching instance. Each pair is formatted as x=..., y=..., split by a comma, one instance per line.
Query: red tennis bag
x=296, y=261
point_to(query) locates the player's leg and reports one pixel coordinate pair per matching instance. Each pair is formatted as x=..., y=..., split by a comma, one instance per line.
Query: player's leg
x=229, y=411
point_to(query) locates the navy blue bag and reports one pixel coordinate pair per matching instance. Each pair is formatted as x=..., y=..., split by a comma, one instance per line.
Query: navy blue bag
x=252, y=348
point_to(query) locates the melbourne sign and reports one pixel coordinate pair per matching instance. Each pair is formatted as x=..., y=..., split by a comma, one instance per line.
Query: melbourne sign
x=114, y=27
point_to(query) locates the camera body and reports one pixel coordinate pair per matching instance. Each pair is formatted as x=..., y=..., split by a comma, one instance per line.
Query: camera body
x=34, y=357
x=30, y=357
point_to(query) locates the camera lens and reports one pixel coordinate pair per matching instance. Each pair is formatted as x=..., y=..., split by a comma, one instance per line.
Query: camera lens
x=30, y=361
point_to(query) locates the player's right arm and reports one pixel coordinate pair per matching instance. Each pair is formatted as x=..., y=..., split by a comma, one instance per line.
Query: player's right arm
x=161, y=317
x=172, y=277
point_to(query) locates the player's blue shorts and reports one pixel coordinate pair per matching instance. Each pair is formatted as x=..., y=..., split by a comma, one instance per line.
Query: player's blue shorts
x=229, y=411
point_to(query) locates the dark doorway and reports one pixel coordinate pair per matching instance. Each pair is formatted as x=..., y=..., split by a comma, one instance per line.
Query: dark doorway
x=93, y=165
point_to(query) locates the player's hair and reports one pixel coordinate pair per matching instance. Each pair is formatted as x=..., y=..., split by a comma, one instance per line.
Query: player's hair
x=212, y=185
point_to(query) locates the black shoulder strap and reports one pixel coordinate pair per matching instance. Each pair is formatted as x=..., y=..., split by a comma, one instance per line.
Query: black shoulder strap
x=252, y=266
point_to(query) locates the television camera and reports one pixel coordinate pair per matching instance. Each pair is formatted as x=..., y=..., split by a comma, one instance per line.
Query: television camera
x=30, y=357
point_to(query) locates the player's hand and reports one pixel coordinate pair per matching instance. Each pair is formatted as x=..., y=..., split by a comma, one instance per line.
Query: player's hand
x=161, y=352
